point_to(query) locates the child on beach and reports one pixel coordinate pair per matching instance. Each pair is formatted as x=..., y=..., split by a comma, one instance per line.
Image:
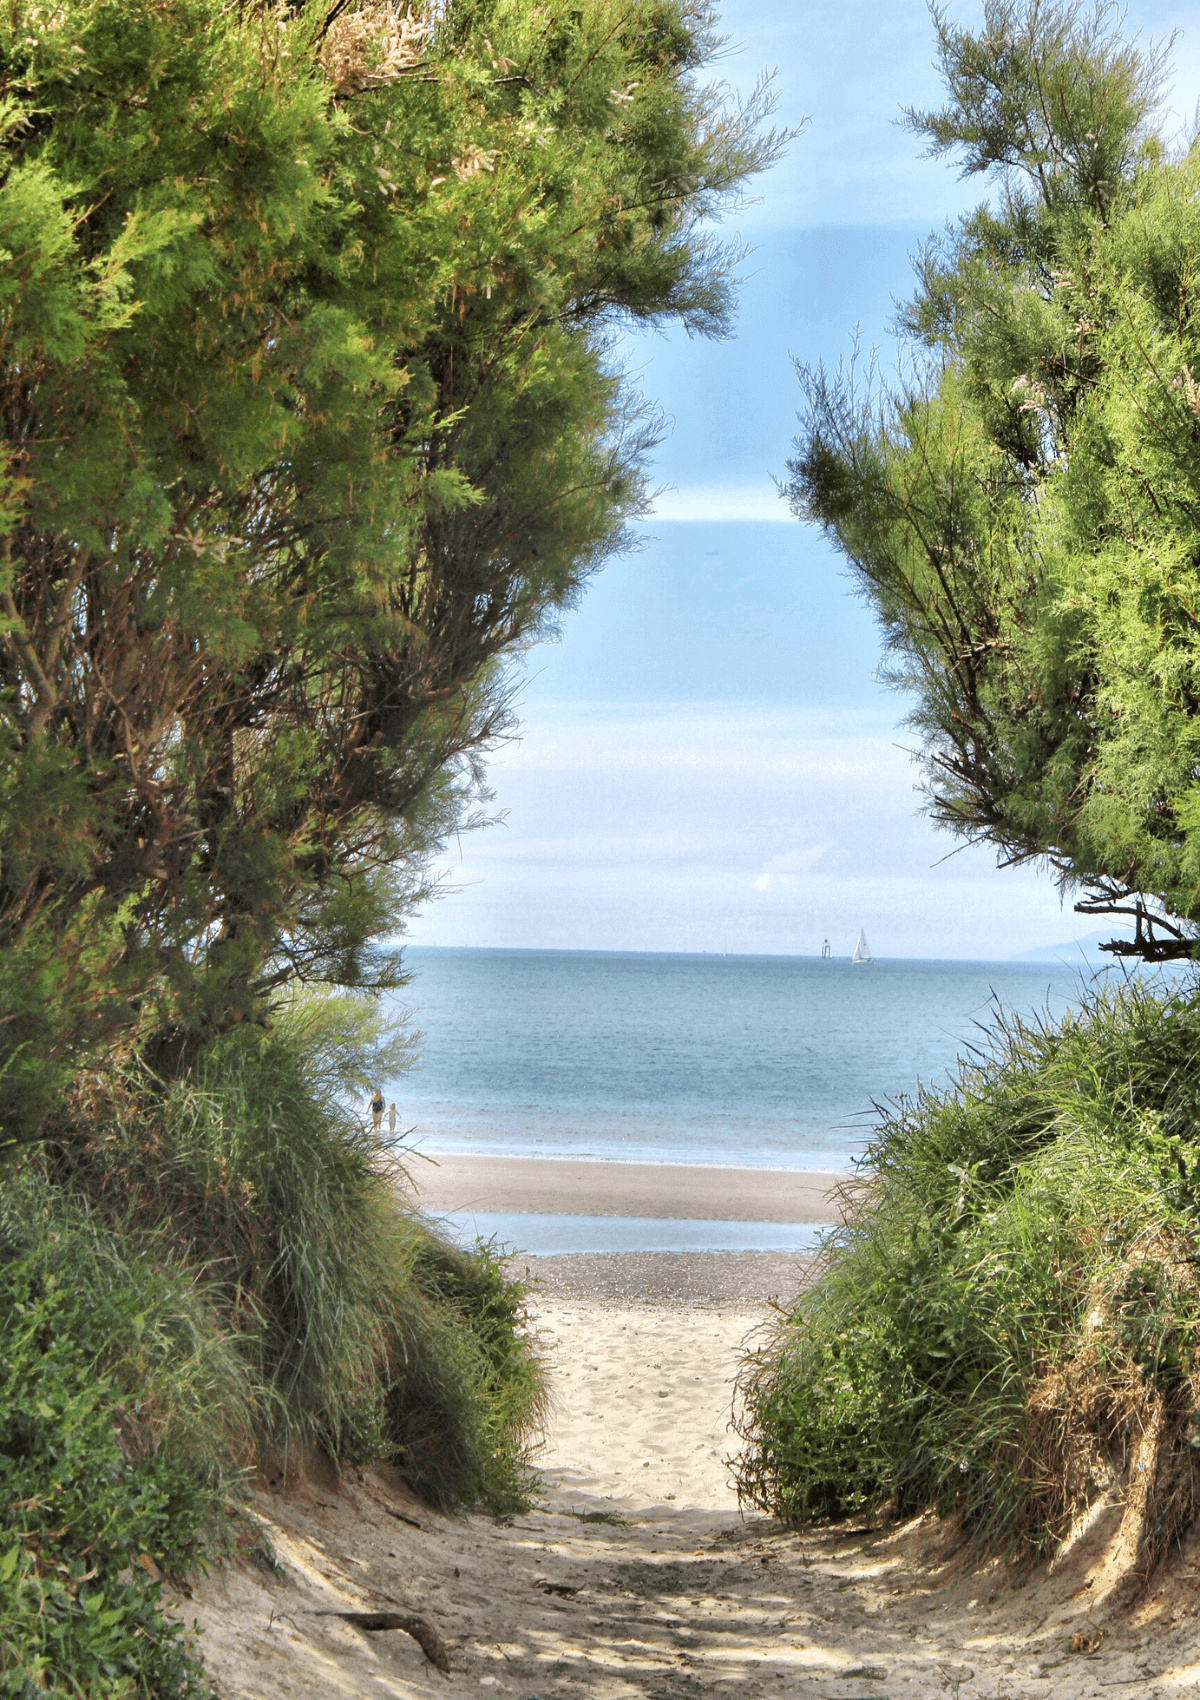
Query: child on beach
x=391, y=1121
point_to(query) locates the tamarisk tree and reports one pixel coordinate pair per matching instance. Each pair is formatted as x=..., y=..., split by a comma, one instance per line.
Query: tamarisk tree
x=1024, y=512
x=306, y=424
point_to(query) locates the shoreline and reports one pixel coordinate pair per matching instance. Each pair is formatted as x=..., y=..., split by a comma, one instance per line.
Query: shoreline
x=485, y=1155
x=566, y=1186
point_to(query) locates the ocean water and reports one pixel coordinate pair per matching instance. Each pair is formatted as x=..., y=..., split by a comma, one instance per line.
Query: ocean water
x=755, y=1061
x=552, y=1236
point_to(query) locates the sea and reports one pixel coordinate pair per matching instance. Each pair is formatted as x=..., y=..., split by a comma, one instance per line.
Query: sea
x=774, y=1062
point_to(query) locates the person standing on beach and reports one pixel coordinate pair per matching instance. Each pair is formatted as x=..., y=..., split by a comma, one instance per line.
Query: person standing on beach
x=376, y=1107
x=391, y=1121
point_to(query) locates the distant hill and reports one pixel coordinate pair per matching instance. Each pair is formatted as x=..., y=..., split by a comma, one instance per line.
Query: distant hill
x=1085, y=950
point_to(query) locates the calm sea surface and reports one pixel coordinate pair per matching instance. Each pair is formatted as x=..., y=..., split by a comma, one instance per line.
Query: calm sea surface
x=758, y=1061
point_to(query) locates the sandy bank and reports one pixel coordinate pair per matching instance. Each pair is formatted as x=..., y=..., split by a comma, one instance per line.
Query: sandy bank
x=562, y=1186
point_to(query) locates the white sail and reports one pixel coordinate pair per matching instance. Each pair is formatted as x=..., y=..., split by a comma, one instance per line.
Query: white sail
x=862, y=951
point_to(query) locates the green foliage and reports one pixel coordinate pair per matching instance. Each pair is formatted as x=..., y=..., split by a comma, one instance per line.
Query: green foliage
x=1047, y=93
x=359, y=1330
x=348, y=1042
x=266, y=1185
x=308, y=422
x=1023, y=514
x=466, y=1390
x=1015, y=1303
x=227, y=1276
x=117, y=1391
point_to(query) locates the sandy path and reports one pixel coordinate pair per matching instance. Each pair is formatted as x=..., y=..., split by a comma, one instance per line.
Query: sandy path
x=641, y=1419
x=612, y=1589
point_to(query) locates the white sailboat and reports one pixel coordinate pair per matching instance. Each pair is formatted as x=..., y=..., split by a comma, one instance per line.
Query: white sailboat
x=862, y=950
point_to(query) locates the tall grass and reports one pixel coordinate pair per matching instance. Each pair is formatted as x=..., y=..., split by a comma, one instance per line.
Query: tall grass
x=212, y=1276
x=1014, y=1306
x=465, y=1388
x=361, y=1330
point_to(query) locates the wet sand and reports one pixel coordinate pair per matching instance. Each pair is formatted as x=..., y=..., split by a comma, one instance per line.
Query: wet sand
x=563, y=1186
x=698, y=1280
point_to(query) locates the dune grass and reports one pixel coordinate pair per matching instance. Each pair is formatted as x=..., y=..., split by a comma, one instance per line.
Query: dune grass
x=1013, y=1313
x=216, y=1277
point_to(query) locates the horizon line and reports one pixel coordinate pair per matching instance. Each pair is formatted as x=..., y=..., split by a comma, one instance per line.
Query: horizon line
x=1031, y=958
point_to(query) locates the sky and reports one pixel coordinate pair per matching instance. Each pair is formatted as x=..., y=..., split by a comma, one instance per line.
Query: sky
x=706, y=759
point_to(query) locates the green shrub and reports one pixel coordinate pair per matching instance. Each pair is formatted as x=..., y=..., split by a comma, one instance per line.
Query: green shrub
x=119, y=1400
x=273, y=1190
x=1015, y=1302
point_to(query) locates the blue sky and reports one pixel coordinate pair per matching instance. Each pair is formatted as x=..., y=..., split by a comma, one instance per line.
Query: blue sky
x=705, y=753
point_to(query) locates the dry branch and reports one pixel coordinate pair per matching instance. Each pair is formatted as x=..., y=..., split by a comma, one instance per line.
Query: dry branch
x=420, y=1628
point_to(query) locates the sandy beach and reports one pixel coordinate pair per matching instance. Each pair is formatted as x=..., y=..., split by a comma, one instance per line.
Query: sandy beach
x=635, y=1577
x=564, y=1186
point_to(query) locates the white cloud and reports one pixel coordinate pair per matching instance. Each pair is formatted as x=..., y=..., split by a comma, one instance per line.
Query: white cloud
x=647, y=827
x=785, y=871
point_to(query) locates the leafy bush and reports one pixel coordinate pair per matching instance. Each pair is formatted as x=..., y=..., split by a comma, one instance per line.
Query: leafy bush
x=1014, y=1307
x=118, y=1396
